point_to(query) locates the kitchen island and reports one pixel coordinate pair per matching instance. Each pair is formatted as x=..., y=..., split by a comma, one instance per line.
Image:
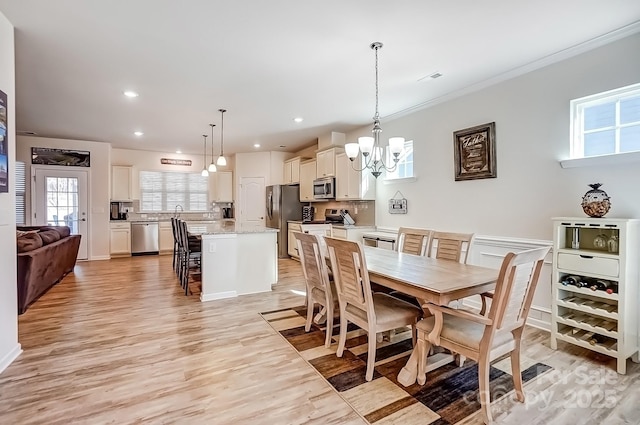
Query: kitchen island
x=236, y=259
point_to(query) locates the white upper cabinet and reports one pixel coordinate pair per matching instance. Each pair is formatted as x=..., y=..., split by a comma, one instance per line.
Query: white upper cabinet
x=352, y=184
x=307, y=176
x=222, y=186
x=121, y=177
x=292, y=171
x=326, y=163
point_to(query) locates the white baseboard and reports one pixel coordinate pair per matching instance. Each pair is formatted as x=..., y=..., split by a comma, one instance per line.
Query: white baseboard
x=10, y=357
x=218, y=296
x=100, y=257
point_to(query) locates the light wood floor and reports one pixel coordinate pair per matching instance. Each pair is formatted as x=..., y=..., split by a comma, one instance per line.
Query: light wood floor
x=117, y=342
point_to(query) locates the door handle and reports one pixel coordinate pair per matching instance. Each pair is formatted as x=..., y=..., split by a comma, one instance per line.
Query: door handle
x=84, y=219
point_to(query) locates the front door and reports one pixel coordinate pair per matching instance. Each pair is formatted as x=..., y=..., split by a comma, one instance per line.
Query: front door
x=61, y=200
x=252, y=196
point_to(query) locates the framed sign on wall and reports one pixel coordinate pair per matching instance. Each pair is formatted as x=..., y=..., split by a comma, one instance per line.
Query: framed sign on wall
x=475, y=152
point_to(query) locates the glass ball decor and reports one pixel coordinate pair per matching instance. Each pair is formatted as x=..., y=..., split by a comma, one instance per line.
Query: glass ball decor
x=595, y=203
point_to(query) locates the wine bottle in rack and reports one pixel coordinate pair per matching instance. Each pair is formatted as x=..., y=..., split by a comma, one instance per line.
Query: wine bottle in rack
x=596, y=339
x=599, y=285
x=612, y=288
x=570, y=280
x=584, y=282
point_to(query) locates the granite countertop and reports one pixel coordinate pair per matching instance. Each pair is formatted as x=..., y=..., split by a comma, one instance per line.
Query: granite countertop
x=227, y=228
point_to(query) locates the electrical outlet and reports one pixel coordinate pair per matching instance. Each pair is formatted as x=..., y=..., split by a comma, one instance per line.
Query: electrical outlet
x=212, y=247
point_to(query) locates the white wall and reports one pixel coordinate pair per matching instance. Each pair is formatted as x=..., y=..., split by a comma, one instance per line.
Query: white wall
x=532, y=131
x=9, y=347
x=99, y=173
x=150, y=161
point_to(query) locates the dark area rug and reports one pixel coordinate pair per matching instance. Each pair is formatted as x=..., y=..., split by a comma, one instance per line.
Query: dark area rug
x=449, y=396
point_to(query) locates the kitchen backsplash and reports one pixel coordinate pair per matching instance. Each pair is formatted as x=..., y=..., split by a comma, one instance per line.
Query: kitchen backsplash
x=363, y=212
x=216, y=212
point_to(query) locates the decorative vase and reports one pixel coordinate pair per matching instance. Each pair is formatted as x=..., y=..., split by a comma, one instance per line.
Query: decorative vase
x=595, y=203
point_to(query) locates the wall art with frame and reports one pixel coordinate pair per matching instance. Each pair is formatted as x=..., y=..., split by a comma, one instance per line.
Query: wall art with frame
x=475, y=152
x=4, y=143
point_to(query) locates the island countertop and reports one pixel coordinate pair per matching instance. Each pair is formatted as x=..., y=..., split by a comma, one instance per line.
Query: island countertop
x=218, y=228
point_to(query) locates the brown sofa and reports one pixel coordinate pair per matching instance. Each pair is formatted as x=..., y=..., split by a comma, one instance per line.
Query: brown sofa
x=45, y=255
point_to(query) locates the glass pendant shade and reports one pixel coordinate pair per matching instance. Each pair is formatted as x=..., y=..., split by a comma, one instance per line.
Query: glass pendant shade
x=222, y=161
x=212, y=168
x=396, y=145
x=351, y=149
x=366, y=145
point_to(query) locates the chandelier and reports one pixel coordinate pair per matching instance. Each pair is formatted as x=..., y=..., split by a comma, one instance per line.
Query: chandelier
x=372, y=151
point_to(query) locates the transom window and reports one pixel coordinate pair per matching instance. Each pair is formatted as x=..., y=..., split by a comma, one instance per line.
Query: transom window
x=163, y=190
x=606, y=123
x=405, y=164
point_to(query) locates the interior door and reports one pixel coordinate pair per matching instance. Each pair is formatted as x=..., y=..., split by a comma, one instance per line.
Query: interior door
x=252, y=202
x=61, y=200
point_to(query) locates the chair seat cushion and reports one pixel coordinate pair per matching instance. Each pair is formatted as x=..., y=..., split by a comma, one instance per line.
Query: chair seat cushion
x=389, y=311
x=463, y=332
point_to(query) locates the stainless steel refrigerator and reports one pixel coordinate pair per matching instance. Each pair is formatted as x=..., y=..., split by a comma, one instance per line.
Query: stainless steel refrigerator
x=283, y=204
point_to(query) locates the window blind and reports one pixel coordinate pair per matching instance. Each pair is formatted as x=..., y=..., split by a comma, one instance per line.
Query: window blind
x=20, y=192
x=163, y=190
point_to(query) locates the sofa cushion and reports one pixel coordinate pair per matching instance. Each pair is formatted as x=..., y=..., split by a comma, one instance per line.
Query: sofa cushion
x=29, y=242
x=49, y=236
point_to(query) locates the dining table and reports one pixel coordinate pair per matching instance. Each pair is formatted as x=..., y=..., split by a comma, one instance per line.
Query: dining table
x=430, y=280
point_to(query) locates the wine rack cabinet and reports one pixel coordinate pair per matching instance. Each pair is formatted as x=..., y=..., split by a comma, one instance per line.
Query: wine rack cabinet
x=604, y=249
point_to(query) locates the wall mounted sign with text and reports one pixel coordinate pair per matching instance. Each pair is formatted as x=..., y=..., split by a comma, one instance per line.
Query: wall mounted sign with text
x=475, y=152
x=170, y=161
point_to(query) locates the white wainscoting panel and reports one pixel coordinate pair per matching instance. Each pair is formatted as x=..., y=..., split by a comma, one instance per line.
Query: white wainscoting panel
x=489, y=251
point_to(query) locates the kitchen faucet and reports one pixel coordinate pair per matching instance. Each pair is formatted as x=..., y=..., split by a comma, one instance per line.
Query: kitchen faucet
x=175, y=211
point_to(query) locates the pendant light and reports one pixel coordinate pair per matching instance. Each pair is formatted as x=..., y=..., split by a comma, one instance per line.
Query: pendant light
x=222, y=161
x=204, y=172
x=212, y=166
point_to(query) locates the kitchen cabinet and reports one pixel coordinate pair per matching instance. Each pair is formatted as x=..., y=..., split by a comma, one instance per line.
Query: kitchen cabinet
x=120, y=239
x=307, y=176
x=351, y=233
x=121, y=177
x=292, y=246
x=326, y=163
x=292, y=171
x=592, y=252
x=352, y=184
x=222, y=186
x=165, y=237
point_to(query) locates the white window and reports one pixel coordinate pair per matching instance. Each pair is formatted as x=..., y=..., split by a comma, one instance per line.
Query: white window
x=606, y=123
x=163, y=190
x=404, y=168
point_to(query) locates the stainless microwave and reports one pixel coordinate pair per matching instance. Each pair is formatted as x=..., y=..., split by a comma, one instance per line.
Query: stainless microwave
x=324, y=188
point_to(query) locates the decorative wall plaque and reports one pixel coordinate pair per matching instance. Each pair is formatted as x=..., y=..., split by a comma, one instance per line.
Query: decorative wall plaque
x=64, y=157
x=170, y=161
x=475, y=152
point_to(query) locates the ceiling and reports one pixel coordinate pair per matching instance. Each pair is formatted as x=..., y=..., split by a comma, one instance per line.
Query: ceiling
x=267, y=62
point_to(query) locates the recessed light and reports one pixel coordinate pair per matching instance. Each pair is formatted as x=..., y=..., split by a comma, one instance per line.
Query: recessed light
x=138, y=133
x=130, y=93
x=298, y=119
x=178, y=151
x=256, y=145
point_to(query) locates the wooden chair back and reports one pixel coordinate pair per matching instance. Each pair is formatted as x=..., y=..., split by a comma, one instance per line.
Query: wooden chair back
x=312, y=259
x=350, y=275
x=450, y=246
x=514, y=290
x=413, y=241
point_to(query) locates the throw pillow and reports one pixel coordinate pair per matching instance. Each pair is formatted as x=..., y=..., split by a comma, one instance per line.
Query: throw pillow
x=28, y=242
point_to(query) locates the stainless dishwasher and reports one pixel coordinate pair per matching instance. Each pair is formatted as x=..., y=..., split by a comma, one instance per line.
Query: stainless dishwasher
x=144, y=238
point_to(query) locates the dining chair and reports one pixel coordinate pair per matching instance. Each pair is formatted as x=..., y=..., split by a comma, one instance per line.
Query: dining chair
x=190, y=256
x=373, y=312
x=485, y=338
x=316, y=275
x=413, y=241
x=176, y=247
x=449, y=246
